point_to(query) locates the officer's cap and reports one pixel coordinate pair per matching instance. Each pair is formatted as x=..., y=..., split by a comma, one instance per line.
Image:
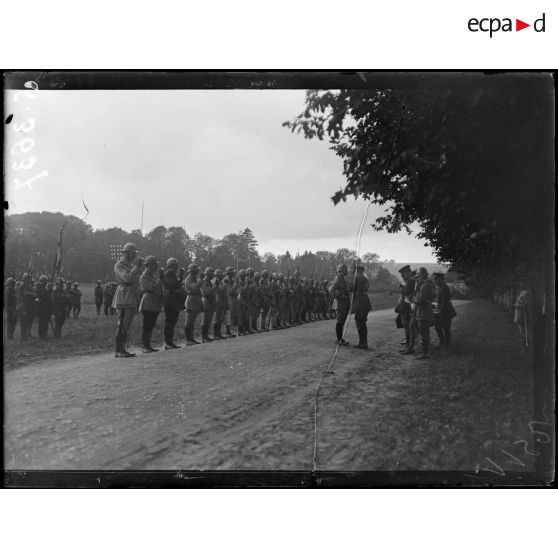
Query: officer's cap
x=129, y=247
x=229, y=269
x=151, y=260
x=423, y=271
x=405, y=269
x=193, y=267
x=170, y=261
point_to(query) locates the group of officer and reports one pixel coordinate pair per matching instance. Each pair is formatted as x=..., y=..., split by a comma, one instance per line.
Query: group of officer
x=28, y=299
x=243, y=302
x=423, y=303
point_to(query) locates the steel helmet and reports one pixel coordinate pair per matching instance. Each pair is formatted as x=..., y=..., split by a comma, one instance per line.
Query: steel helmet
x=129, y=247
x=193, y=267
x=249, y=270
x=43, y=279
x=265, y=273
x=219, y=272
x=342, y=267
x=229, y=269
x=10, y=281
x=209, y=271
x=151, y=260
x=171, y=261
x=242, y=273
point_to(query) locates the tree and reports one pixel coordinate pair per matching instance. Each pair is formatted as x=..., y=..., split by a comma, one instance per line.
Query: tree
x=372, y=263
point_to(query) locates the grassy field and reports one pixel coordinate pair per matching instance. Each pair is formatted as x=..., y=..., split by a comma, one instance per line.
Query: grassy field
x=91, y=334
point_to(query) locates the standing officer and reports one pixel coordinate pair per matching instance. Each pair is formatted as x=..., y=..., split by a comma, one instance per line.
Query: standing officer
x=221, y=303
x=265, y=298
x=192, y=284
x=127, y=271
x=10, y=301
x=424, y=313
x=231, y=316
x=151, y=287
x=360, y=306
x=77, y=300
x=173, y=300
x=43, y=303
x=208, y=303
x=70, y=294
x=404, y=308
x=256, y=302
x=98, y=297
x=445, y=312
x=26, y=306
x=243, y=296
x=60, y=304
x=340, y=292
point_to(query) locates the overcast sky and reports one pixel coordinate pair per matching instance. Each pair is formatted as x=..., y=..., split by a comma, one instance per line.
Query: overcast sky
x=211, y=161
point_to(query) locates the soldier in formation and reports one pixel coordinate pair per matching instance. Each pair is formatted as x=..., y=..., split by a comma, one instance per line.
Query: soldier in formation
x=43, y=301
x=60, y=303
x=10, y=304
x=76, y=304
x=444, y=311
x=108, y=295
x=173, y=300
x=151, y=288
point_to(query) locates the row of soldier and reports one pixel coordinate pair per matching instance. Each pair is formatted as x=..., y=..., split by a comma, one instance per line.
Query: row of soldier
x=236, y=303
x=28, y=299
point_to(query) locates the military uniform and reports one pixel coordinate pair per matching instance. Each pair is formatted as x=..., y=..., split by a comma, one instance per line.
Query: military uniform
x=173, y=301
x=444, y=313
x=424, y=313
x=98, y=297
x=360, y=306
x=107, y=298
x=404, y=308
x=243, y=298
x=221, y=304
x=10, y=304
x=151, y=287
x=26, y=307
x=76, y=300
x=43, y=307
x=266, y=300
x=192, y=285
x=60, y=305
x=231, y=285
x=340, y=292
x=126, y=298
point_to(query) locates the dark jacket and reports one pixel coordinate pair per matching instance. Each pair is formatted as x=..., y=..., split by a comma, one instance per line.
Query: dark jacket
x=359, y=295
x=173, y=294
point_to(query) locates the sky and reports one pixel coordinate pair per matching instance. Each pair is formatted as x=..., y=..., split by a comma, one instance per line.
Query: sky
x=211, y=161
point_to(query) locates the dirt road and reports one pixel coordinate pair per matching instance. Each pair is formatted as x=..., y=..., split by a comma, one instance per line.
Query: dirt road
x=244, y=403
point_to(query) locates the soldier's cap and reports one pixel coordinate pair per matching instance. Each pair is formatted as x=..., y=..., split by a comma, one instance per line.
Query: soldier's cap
x=265, y=272
x=10, y=280
x=280, y=276
x=209, y=271
x=241, y=272
x=43, y=279
x=229, y=269
x=342, y=267
x=219, y=271
x=257, y=275
x=423, y=271
x=151, y=260
x=405, y=269
x=193, y=267
x=129, y=247
x=170, y=261
x=249, y=270
x=439, y=275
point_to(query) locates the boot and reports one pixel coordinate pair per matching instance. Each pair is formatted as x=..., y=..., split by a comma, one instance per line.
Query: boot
x=124, y=345
x=217, y=331
x=255, y=325
x=121, y=351
x=228, y=332
x=205, y=334
x=190, y=337
x=247, y=326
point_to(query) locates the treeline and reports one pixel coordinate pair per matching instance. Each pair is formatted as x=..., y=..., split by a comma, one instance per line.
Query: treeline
x=31, y=241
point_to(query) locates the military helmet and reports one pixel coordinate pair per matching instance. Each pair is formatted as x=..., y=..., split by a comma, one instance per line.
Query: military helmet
x=151, y=260
x=219, y=272
x=43, y=279
x=265, y=273
x=297, y=272
x=68, y=283
x=249, y=270
x=229, y=269
x=280, y=276
x=209, y=271
x=98, y=281
x=242, y=273
x=273, y=275
x=76, y=284
x=342, y=267
x=257, y=275
x=10, y=281
x=129, y=247
x=170, y=261
x=193, y=267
